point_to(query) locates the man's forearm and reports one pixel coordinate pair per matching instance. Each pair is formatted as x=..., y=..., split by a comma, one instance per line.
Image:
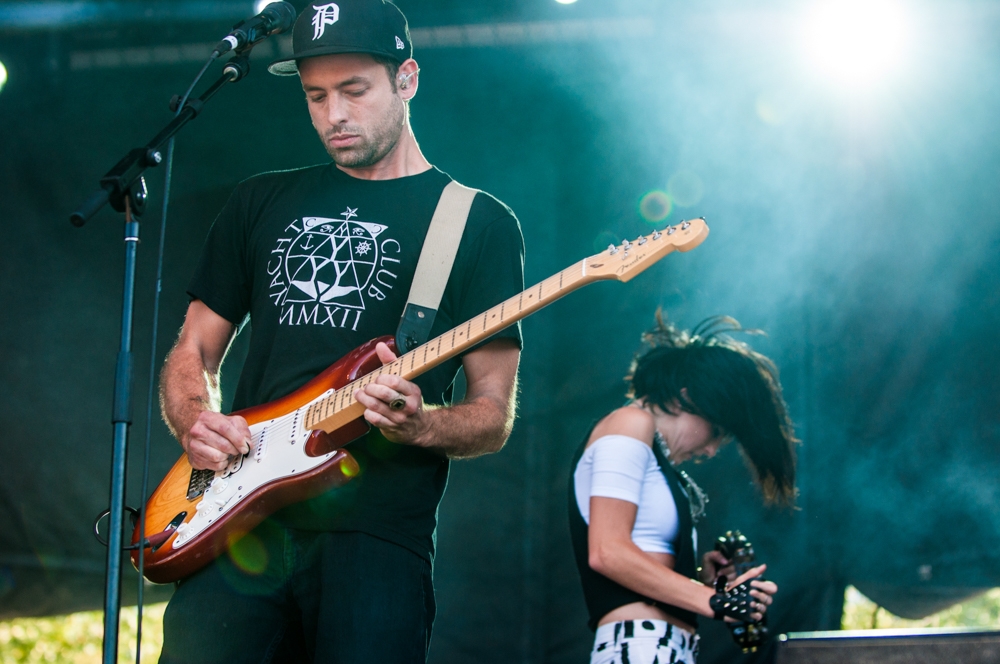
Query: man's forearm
x=468, y=429
x=186, y=389
x=478, y=425
x=190, y=401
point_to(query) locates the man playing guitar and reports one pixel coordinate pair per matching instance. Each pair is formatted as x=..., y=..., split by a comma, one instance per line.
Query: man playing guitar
x=320, y=260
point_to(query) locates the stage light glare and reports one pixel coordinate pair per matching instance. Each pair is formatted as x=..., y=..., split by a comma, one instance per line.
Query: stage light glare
x=685, y=188
x=3, y=76
x=856, y=42
x=565, y=2
x=655, y=206
x=259, y=5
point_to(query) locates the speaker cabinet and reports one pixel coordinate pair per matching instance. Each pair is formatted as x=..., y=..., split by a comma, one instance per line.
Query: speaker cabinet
x=890, y=646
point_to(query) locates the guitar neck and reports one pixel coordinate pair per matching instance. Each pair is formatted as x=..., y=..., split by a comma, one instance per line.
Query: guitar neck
x=336, y=409
x=620, y=263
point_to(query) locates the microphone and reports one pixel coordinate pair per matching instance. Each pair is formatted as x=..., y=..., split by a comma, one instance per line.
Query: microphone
x=276, y=17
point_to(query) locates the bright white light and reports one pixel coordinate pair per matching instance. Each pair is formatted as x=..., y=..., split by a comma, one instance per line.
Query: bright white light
x=857, y=42
x=565, y=2
x=3, y=76
x=259, y=5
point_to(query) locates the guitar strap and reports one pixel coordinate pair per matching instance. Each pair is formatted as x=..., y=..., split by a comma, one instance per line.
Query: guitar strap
x=437, y=256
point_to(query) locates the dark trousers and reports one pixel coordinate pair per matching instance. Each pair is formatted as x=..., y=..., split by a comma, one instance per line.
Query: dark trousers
x=282, y=596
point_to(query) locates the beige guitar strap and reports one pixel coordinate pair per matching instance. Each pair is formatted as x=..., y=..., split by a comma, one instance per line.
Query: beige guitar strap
x=437, y=256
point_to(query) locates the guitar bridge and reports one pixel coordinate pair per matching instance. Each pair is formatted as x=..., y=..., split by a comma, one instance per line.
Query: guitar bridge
x=200, y=479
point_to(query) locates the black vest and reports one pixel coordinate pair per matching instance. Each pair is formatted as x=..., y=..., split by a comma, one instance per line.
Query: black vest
x=604, y=595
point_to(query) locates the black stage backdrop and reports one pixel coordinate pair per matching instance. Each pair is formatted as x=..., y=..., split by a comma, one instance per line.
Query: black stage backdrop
x=861, y=235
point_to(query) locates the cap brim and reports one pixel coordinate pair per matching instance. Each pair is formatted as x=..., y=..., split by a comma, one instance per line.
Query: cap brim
x=287, y=67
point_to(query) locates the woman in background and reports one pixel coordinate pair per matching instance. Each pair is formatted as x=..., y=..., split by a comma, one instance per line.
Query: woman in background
x=632, y=513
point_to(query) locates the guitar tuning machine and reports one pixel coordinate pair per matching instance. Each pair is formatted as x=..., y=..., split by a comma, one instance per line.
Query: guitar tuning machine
x=685, y=225
x=641, y=241
x=657, y=235
x=612, y=249
x=626, y=245
x=671, y=230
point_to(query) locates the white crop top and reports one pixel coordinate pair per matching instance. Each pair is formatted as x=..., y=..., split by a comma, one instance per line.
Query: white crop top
x=625, y=468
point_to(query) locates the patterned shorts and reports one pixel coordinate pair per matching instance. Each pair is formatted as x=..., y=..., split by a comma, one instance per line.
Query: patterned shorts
x=643, y=642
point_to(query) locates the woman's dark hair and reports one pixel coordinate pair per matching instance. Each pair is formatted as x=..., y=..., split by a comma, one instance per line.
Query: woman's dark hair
x=709, y=374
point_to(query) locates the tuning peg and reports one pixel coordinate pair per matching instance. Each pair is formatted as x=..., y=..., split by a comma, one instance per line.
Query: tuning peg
x=612, y=249
x=641, y=241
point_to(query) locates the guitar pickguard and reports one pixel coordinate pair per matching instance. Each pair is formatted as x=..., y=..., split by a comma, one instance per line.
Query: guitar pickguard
x=277, y=451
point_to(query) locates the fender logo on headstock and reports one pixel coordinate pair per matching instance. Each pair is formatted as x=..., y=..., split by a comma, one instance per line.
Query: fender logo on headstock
x=625, y=266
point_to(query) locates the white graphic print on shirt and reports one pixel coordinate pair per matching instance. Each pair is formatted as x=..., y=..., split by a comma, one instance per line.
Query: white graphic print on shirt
x=323, y=270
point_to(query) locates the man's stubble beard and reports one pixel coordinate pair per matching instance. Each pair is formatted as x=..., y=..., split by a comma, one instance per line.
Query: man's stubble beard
x=374, y=145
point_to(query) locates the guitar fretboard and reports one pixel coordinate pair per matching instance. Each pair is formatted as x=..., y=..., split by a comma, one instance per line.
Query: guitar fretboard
x=326, y=413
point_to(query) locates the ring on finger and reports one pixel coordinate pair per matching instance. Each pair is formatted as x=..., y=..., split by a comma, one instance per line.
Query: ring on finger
x=399, y=403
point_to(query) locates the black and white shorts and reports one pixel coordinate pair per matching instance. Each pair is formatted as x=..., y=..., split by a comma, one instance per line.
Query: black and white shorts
x=643, y=642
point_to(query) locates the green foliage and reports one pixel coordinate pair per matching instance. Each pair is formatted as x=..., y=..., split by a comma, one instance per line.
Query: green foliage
x=862, y=613
x=78, y=637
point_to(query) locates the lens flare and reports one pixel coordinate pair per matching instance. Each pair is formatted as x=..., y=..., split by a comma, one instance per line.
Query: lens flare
x=3, y=76
x=655, y=206
x=603, y=240
x=685, y=188
x=856, y=42
x=348, y=469
x=247, y=552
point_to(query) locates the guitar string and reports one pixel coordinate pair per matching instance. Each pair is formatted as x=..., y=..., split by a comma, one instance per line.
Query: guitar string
x=347, y=392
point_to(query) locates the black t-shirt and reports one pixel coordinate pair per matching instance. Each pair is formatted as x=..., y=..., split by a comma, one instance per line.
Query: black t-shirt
x=322, y=262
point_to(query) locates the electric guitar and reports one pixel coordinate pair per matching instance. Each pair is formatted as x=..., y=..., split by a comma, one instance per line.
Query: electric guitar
x=296, y=448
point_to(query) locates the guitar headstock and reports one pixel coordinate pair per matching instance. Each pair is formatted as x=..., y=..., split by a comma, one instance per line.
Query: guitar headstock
x=624, y=261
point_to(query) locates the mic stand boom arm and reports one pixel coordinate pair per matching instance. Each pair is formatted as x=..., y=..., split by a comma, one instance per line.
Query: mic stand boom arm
x=117, y=182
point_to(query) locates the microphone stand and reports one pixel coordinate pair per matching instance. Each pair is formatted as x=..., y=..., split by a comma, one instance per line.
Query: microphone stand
x=124, y=188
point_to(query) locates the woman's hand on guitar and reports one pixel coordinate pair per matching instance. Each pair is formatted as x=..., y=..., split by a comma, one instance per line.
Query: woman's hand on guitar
x=214, y=439
x=761, y=591
x=393, y=404
x=714, y=565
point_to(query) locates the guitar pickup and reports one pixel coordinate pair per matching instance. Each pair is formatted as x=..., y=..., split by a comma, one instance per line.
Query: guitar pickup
x=260, y=449
x=234, y=466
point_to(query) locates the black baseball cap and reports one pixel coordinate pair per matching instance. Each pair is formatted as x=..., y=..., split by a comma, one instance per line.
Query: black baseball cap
x=347, y=26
